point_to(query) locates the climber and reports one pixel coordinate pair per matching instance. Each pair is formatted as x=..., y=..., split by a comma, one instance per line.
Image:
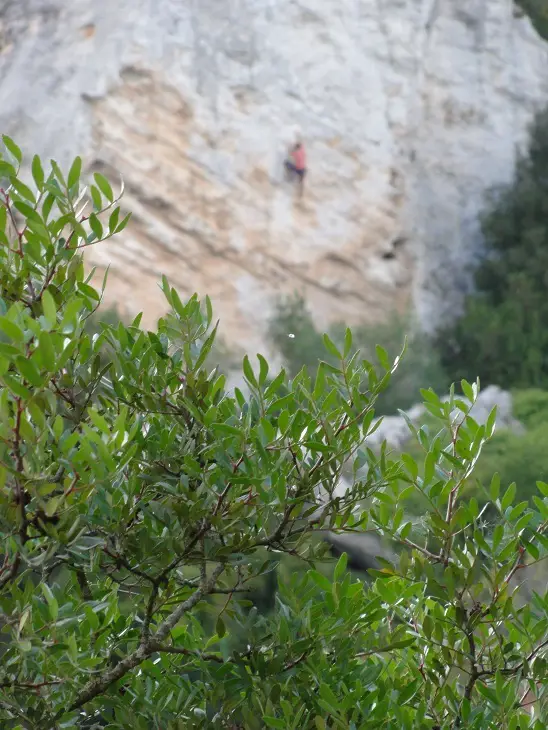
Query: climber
x=296, y=163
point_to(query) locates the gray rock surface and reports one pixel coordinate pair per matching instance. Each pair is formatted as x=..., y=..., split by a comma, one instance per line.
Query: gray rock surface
x=411, y=110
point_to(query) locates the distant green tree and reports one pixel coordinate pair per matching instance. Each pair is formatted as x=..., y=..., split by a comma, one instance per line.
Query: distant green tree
x=537, y=10
x=293, y=333
x=502, y=336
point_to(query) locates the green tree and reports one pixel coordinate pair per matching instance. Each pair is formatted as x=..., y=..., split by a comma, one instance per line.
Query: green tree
x=502, y=336
x=537, y=10
x=293, y=333
x=136, y=495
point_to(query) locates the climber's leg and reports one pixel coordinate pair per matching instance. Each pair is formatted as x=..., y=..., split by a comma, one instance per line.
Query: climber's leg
x=297, y=172
x=301, y=174
x=290, y=168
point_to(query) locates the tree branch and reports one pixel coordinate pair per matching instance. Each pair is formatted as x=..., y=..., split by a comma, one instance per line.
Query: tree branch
x=98, y=685
x=12, y=571
x=173, y=619
x=13, y=684
x=164, y=649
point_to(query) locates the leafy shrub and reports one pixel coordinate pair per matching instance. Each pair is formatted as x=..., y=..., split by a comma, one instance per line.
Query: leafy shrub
x=530, y=407
x=132, y=498
x=294, y=334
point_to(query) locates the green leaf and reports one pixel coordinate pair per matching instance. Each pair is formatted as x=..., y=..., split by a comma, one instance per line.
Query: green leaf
x=178, y=306
x=89, y=292
x=211, y=641
x=12, y=148
x=406, y=530
x=123, y=223
x=429, y=467
x=263, y=369
x=467, y=390
x=320, y=382
x=383, y=358
x=50, y=308
x=104, y=186
x=96, y=226
x=498, y=534
x=7, y=170
x=220, y=627
x=46, y=352
x=331, y=347
x=167, y=290
x=401, y=644
x=275, y=385
x=206, y=348
x=29, y=212
x=74, y=173
x=327, y=694
x=113, y=220
x=225, y=428
x=96, y=198
x=29, y=371
x=51, y=601
x=23, y=190
x=47, y=206
x=383, y=573
x=430, y=396
x=488, y=693
x=508, y=498
x=99, y=421
x=274, y=722
x=249, y=374
x=38, y=172
x=280, y=403
x=340, y=568
x=320, y=580
x=490, y=424
x=347, y=342
x=494, y=489
x=543, y=488
x=9, y=328
x=79, y=231
x=16, y=387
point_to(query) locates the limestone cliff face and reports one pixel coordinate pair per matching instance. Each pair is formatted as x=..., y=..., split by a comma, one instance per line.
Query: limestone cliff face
x=411, y=110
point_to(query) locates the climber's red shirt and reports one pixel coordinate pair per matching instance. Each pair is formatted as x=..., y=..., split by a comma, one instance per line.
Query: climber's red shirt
x=299, y=158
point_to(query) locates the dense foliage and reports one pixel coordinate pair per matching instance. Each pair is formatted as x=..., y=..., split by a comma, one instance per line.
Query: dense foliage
x=537, y=10
x=503, y=335
x=294, y=334
x=137, y=494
